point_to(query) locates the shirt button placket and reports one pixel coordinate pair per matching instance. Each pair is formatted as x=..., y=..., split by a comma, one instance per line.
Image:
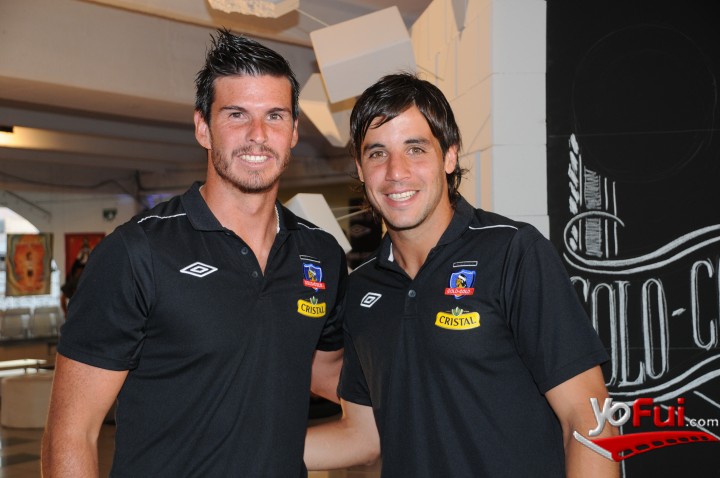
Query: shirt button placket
x=245, y=251
x=411, y=302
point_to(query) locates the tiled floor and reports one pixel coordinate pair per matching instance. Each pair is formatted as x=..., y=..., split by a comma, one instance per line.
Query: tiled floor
x=20, y=455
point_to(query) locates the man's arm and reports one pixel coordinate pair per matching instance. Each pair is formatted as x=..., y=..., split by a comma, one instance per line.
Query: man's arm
x=571, y=402
x=326, y=373
x=81, y=397
x=351, y=440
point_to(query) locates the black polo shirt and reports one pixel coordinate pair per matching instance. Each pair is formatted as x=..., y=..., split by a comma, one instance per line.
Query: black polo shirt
x=219, y=353
x=455, y=362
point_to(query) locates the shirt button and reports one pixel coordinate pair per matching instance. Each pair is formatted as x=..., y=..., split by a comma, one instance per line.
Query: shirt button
x=254, y=274
x=244, y=251
x=411, y=293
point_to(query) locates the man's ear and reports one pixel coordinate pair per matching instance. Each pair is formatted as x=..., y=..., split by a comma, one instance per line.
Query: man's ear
x=359, y=171
x=202, y=130
x=295, y=136
x=451, y=159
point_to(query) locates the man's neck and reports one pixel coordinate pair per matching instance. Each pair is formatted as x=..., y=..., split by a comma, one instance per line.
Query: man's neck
x=411, y=248
x=252, y=216
x=409, y=256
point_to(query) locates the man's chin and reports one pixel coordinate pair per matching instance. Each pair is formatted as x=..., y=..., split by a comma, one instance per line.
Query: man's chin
x=399, y=226
x=256, y=186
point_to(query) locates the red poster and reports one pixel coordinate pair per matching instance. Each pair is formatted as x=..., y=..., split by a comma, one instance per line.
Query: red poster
x=78, y=247
x=28, y=264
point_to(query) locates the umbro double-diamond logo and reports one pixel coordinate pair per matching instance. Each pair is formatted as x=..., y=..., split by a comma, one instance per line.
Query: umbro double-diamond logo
x=198, y=269
x=370, y=299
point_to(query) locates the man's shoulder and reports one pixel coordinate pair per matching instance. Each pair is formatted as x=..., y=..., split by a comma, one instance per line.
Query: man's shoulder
x=367, y=270
x=504, y=227
x=310, y=234
x=170, y=209
x=147, y=223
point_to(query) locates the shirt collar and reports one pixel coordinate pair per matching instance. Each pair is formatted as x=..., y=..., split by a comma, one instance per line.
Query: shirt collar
x=198, y=211
x=202, y=218
x=463, y=214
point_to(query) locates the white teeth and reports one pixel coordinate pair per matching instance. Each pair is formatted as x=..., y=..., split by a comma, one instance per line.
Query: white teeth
x=253, y=158
x=403, y=196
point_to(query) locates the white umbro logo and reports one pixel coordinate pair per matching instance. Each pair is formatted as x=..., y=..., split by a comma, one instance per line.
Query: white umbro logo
x=370, y=299
x=198, y=269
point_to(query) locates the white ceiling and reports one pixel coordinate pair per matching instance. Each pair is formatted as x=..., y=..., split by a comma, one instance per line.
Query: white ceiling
x=91, y=128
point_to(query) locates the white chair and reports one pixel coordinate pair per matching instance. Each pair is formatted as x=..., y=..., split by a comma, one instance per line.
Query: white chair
x=25, y=400
x=14, y=323
x=44, y=321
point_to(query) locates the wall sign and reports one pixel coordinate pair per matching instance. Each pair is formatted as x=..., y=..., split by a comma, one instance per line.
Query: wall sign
x=633, y=171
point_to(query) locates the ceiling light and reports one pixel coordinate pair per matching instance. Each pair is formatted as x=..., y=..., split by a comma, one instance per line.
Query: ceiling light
x=259, y=8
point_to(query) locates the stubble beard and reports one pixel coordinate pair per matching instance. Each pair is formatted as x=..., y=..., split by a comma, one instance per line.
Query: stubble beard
x=254, y=181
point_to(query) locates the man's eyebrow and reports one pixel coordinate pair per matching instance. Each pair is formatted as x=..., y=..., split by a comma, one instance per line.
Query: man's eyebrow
x=232, y=108
x=417, y=141
x=275, y=109
x=280, y=109
x=372, y=146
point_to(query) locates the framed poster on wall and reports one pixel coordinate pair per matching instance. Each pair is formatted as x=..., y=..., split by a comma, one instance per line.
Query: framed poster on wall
x=78, y=247
x=28, y=264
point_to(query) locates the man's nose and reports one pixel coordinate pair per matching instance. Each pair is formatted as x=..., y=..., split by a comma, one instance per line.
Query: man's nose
x=398, y=168
x=257, y=132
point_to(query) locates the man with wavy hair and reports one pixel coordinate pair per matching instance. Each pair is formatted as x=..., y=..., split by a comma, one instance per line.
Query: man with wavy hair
x=467, y=352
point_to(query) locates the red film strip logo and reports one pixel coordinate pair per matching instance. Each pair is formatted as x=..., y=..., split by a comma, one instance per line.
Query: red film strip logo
x=622, y=447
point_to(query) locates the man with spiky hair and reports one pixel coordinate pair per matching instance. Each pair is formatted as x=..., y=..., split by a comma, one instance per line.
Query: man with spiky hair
x=467, y=352
x=199, y=316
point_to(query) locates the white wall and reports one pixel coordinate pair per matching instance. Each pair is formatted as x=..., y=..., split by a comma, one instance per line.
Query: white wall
x=491, y=68
x=74, y=213
x=488, y=57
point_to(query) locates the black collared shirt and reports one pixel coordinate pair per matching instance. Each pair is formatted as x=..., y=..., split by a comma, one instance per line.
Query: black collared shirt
x=219, y=354
x=455, y=362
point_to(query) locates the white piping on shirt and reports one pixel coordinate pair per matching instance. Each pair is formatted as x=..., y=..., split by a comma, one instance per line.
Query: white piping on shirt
x=311, y=228
x=491, y=227
x=161, y=217
x=364, y=263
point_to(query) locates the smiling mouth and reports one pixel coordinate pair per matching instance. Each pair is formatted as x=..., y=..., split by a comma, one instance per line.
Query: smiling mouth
x=403, y=196
x=254, y=158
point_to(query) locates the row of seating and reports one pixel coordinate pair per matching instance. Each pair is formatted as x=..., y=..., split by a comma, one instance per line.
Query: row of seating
x=26, y=323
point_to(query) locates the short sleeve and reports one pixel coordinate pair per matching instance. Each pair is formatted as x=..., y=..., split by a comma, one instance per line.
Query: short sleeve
x=553, y=334
x=105, y=326
x=332, y=334
x=353, y=385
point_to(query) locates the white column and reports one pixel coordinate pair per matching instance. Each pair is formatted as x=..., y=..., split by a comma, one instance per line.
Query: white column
x=488, y=57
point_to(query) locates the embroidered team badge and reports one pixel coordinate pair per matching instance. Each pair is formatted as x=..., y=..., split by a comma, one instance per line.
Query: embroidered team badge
x=461, y=283
x=312, y=276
